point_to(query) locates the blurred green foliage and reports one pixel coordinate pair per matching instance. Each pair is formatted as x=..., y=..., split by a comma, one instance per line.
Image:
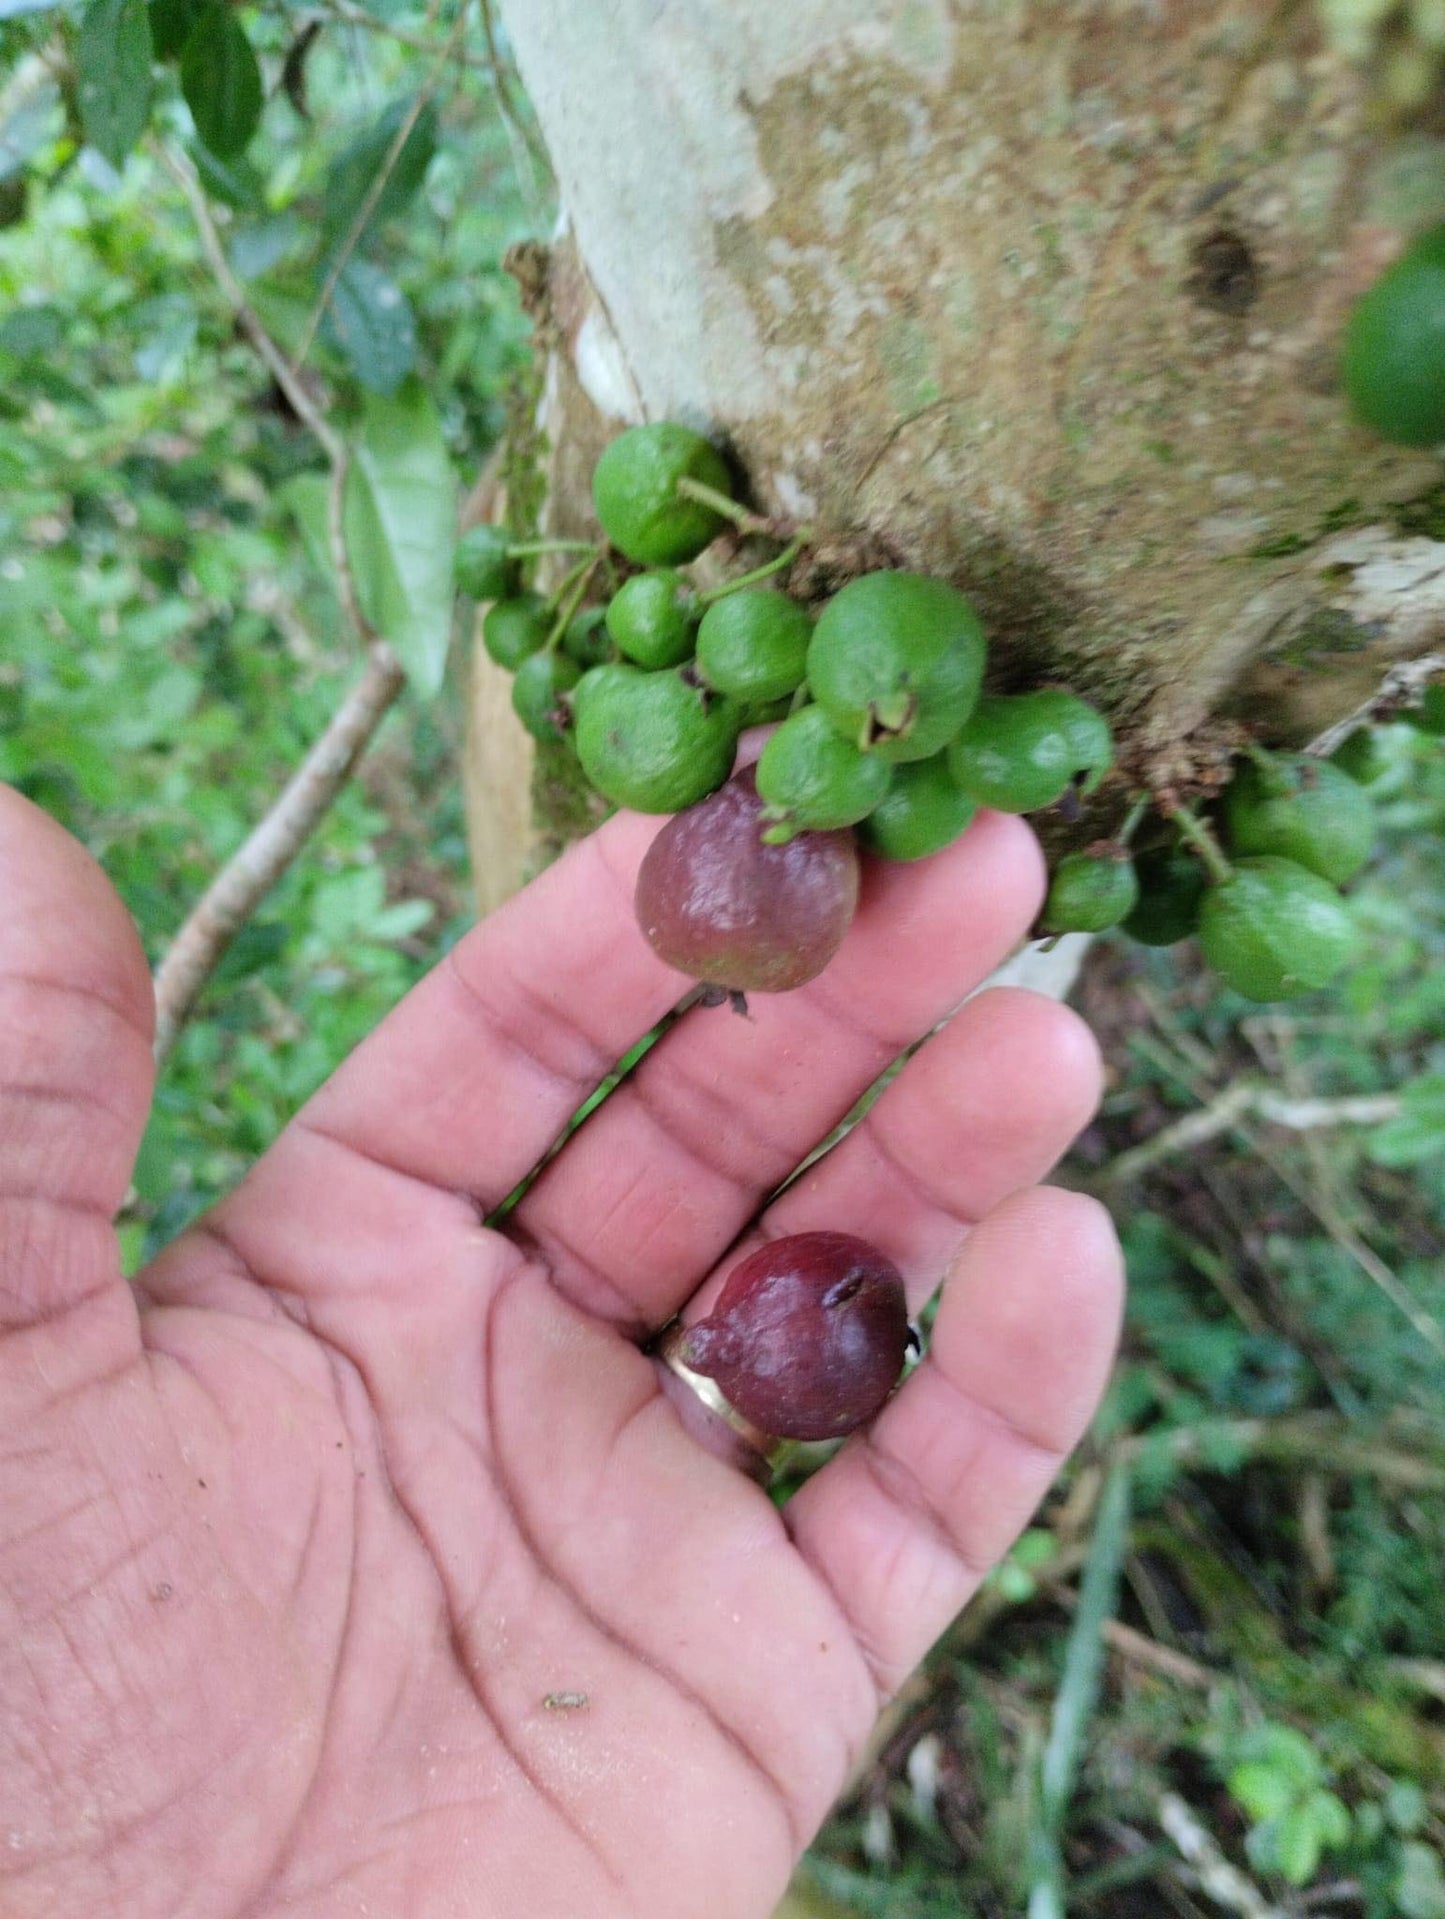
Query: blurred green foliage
x=169, y=643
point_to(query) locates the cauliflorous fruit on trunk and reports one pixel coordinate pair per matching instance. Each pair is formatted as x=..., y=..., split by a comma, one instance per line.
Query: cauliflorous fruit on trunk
x=719, y=904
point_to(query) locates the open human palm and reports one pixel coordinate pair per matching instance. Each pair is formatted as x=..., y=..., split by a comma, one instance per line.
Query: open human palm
x=353, y=1559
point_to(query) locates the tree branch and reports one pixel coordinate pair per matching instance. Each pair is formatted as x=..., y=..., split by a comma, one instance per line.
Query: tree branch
x=1217, y=1879
x=1317, y=1440
x=251, y=872
x=1247, y=1100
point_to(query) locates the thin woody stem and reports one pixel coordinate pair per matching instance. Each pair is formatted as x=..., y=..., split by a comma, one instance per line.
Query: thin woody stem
x=789, y=553
x=1204, y=844
x=253, y=870
x=722, y=504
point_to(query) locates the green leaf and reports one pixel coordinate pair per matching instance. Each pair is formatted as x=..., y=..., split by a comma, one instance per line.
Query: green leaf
x=1420, y=1888
x=235, y=183
x=370, y=319
x=1298, y=1843
x=171, y=23
x=356, y=167
x=221, y=81
x=1262, y=1790
x=305, y=496
x=1419, y=1132
x=113, y=65
x=1285, y=1751
x=1331, y=1818
x=400, y=522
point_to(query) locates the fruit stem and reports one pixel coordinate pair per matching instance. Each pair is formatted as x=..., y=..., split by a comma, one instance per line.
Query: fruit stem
x=1276, y=781
x=789, y=553
x=569, y=596
x=722, y=503
x=1132, y=820
x=527, y=549
x=1204, y=844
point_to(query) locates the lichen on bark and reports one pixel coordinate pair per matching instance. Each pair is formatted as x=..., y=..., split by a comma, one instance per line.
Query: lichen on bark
x=1045, y=294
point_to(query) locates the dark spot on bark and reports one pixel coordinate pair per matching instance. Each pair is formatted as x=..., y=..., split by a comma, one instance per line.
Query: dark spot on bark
x=1225, y=274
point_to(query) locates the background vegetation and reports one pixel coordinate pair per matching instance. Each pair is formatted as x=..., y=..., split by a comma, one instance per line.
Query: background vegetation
x=1257, y=1527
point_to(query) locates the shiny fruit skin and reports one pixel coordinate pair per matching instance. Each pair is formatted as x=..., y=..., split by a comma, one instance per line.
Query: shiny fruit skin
x=586, y=639
x=896, y=660
x=808, y=1336
x=716, y=903
x=1172, y=886
x=1301, y=809
x=651, y=741
x=923, y=811
x=1020, y=753
x=1274, y=930
x=1089, y=893
x=753, y=645
x=482, y=569
x=811, y=777
x=1393, y=362
x=650, y=618
x=1361, y=756
x=634, y=488
x=537, y=693
x=516, y=628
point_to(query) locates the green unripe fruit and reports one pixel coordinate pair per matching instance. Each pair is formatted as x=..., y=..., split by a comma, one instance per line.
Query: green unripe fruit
x=923, y=811
x=895, y=662
x=1172, y=886
x=1429, y=715
x=1090, y=892
x=634, y=488
x=811, y=777
x=1301, y=809
x=1022, y=752
x=541, y=681
x=651, y=741
x=753, y=645
x=650, y=618
x=1360, y=755
x=586, y=639
x=1274, y=930
x=481, y=568
x=1394, y=349
x=515, y=628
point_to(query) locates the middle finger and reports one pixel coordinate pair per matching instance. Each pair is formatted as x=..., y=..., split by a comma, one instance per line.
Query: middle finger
x=659, y=1183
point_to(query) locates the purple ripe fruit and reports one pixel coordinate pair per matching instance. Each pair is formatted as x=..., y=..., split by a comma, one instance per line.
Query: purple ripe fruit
x=808, y=1336
x=718, y=904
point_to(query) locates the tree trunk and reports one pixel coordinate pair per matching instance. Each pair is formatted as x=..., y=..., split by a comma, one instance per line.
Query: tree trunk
x=1046, y=295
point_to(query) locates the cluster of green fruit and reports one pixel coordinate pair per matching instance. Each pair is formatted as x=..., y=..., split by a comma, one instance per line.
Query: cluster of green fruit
x=879, y=720
x=1258, y=883
x=882, y=738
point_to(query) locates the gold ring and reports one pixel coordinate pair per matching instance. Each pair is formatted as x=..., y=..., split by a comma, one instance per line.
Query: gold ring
x=765, y=1449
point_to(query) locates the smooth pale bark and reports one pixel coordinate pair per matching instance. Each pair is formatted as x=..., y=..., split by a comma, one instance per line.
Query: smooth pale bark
x=1047, y=294
x=1042, y=296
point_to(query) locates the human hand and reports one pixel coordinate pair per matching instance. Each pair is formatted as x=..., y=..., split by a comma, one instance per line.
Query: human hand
x=314, y=1538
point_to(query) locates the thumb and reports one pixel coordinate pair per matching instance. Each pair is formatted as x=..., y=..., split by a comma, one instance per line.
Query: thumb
x=76, y=1014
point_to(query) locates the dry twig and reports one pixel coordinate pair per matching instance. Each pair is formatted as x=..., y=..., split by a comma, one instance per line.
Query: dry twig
x=1215, y=1876
x=254, y=868
x=1246, y=1099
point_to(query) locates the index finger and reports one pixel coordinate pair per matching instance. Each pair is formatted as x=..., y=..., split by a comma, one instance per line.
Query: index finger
x=472, y=1077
